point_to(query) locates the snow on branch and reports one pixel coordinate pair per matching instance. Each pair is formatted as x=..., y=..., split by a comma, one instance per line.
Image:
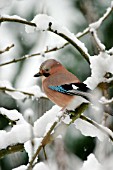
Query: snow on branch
x=100, y=46
x=15, y=18
x=94, y=25
x=15, y=139
x=47, y=23
x=101, y=65
x=31, y=92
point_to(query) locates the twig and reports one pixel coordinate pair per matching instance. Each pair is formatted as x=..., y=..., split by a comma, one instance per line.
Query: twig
x=15, y=90
x=7, y=49
x=11, y=149
x=44, y=151
x=22, y=21
x=32, y=55
x=99, y=45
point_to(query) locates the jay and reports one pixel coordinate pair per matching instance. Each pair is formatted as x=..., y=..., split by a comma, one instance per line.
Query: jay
x=61, y=86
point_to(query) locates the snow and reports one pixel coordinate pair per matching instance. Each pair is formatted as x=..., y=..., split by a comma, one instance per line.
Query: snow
x=97, y=24
x=43, y=23
x=41, y=125
x=103, y=100
x=100, y=65
x=41, y=166
x=34, y=90
x=18, y=94
x=38, y=166
x=22, y=167
x=13, y=115
x=13, y=17
x=5, y=83
x=100, y=45
x=91, y=163
x=88, y=129
x=31, y=148
x=15, y=136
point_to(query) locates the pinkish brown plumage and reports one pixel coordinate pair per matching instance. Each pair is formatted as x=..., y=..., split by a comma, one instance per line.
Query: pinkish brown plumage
x=54, y=75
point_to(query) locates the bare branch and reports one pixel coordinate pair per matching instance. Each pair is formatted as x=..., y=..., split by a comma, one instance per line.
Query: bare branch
x=7, y=49
x=32, y=55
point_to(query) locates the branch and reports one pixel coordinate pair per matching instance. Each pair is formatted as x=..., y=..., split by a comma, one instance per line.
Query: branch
x=100, y=46
x=45, y=140
x=15, y=90
x=17, y=20
x=71, y=41
x=30, y=94
x=32, y=55
x=11, y=149
x=7, y=49
x=102, y=129
x=78, y=35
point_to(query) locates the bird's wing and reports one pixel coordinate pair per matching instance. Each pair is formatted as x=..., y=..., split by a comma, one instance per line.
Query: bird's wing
x=79, y=89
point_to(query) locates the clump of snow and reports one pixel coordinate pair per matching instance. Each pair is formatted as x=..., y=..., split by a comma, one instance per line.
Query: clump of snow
x=100, y=65
x=13, y=115
x=38, y=166
x=103, y=100
x=97, y=24
x=91, y=163
x=31, y=147
x=15, y=136
x=41, y=166
x=5, y=83
x=42, y=123
x=89, y=129
x=16, y=95
x=35, y=90
x=22, y=167
x=44, y=22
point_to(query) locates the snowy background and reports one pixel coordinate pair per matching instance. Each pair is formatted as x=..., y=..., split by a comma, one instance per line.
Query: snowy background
x=26, y=115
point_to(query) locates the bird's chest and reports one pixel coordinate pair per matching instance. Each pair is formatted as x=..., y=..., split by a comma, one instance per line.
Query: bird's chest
x=56, y=97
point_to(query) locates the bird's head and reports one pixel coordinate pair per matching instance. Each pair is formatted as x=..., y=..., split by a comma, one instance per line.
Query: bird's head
x=48, y=67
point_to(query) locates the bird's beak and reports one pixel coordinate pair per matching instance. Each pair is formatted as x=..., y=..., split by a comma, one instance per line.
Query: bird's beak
x=38, y=74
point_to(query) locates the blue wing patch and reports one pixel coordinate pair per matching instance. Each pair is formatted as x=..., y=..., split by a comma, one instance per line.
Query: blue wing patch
x=58, y=88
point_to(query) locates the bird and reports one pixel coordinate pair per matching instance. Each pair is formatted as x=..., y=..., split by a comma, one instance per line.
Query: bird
x=61, y=86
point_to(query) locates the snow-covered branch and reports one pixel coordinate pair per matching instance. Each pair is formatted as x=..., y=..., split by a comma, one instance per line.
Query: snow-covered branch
x=47, y=23
x=94, y=25
x=17, y=19
x=31, y=92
